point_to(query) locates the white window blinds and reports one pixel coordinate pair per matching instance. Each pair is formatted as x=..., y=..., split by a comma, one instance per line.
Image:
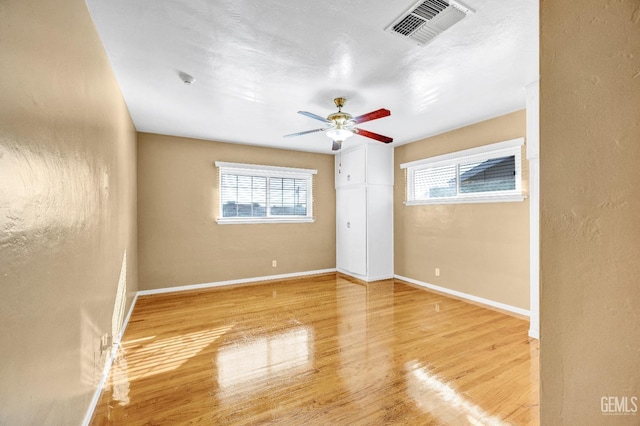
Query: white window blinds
x=258, y=194
x=485, y=174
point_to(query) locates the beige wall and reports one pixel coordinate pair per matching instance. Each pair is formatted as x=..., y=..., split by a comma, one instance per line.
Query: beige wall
x=590, y=218
x=67, y=209
x=481, y=249
x=180, y=242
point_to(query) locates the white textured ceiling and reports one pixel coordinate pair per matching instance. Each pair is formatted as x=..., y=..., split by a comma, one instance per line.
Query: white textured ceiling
x=257, y=63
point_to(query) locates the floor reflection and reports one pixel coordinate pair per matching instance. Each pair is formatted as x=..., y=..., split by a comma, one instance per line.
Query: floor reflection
x=243, y=366
x=120, y=381
x=151, y=356
x=365, y=313
x=435, y=396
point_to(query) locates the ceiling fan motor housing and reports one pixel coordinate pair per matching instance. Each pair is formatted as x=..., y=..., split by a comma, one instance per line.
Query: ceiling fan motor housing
x=340, y=118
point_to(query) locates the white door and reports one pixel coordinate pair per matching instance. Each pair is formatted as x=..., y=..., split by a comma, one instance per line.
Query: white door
x=350, y=167
x=351, y=232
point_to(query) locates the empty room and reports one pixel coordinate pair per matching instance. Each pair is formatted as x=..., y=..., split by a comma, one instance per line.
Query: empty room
x=299, y=213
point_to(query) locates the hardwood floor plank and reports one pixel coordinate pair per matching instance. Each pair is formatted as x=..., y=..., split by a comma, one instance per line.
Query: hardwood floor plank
x=320, y=350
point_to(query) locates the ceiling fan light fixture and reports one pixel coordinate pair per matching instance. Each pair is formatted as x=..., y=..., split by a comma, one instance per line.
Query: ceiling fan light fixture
x=339, y=134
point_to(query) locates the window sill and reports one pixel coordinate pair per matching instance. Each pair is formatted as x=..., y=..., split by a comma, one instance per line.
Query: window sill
x=254, y=220
x=468, y=200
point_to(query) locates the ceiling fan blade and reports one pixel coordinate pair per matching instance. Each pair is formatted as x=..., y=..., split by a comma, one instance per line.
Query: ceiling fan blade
x=373, y=115
x=304, y=133
x=312, y=115
x=368, y=134
x=336, y=146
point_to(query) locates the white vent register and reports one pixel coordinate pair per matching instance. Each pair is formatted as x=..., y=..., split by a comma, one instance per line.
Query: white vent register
x=425, y=20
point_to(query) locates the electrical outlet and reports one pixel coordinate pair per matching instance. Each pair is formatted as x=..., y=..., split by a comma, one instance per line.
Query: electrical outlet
x=274, y=263
x=437, y=272
x=105, y=343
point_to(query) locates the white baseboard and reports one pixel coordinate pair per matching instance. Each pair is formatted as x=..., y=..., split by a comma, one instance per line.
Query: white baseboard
x=232, y=282
x=364, y=277
x=534, y=333
x=462, y=295
x=107, y=367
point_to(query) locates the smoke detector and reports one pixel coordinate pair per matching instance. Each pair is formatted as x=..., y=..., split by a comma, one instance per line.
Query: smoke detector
x=427, y=19
x=186, y=78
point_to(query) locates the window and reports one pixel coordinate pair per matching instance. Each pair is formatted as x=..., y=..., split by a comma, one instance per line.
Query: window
x=486, y=174
x=264, y=194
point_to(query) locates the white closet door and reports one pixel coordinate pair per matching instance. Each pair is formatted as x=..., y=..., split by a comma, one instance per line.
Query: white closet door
x=351, y=167
x=352, y=227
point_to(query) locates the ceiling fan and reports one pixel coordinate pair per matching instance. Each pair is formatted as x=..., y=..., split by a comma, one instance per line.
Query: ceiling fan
x=341, y=125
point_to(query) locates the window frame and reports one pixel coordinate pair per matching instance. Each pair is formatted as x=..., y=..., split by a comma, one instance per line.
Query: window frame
x=482, y=153
x=267, y=172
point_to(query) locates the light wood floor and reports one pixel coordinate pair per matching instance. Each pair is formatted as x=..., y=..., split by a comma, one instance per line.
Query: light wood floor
x=320, y=351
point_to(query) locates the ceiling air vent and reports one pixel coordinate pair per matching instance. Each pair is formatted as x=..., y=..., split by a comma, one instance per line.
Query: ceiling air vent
x=425, y=20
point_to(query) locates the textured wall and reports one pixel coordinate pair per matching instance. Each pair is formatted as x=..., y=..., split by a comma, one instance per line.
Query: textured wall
x=67, y=210
x=180, y=242
x=481, y=249
x=590, y=210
